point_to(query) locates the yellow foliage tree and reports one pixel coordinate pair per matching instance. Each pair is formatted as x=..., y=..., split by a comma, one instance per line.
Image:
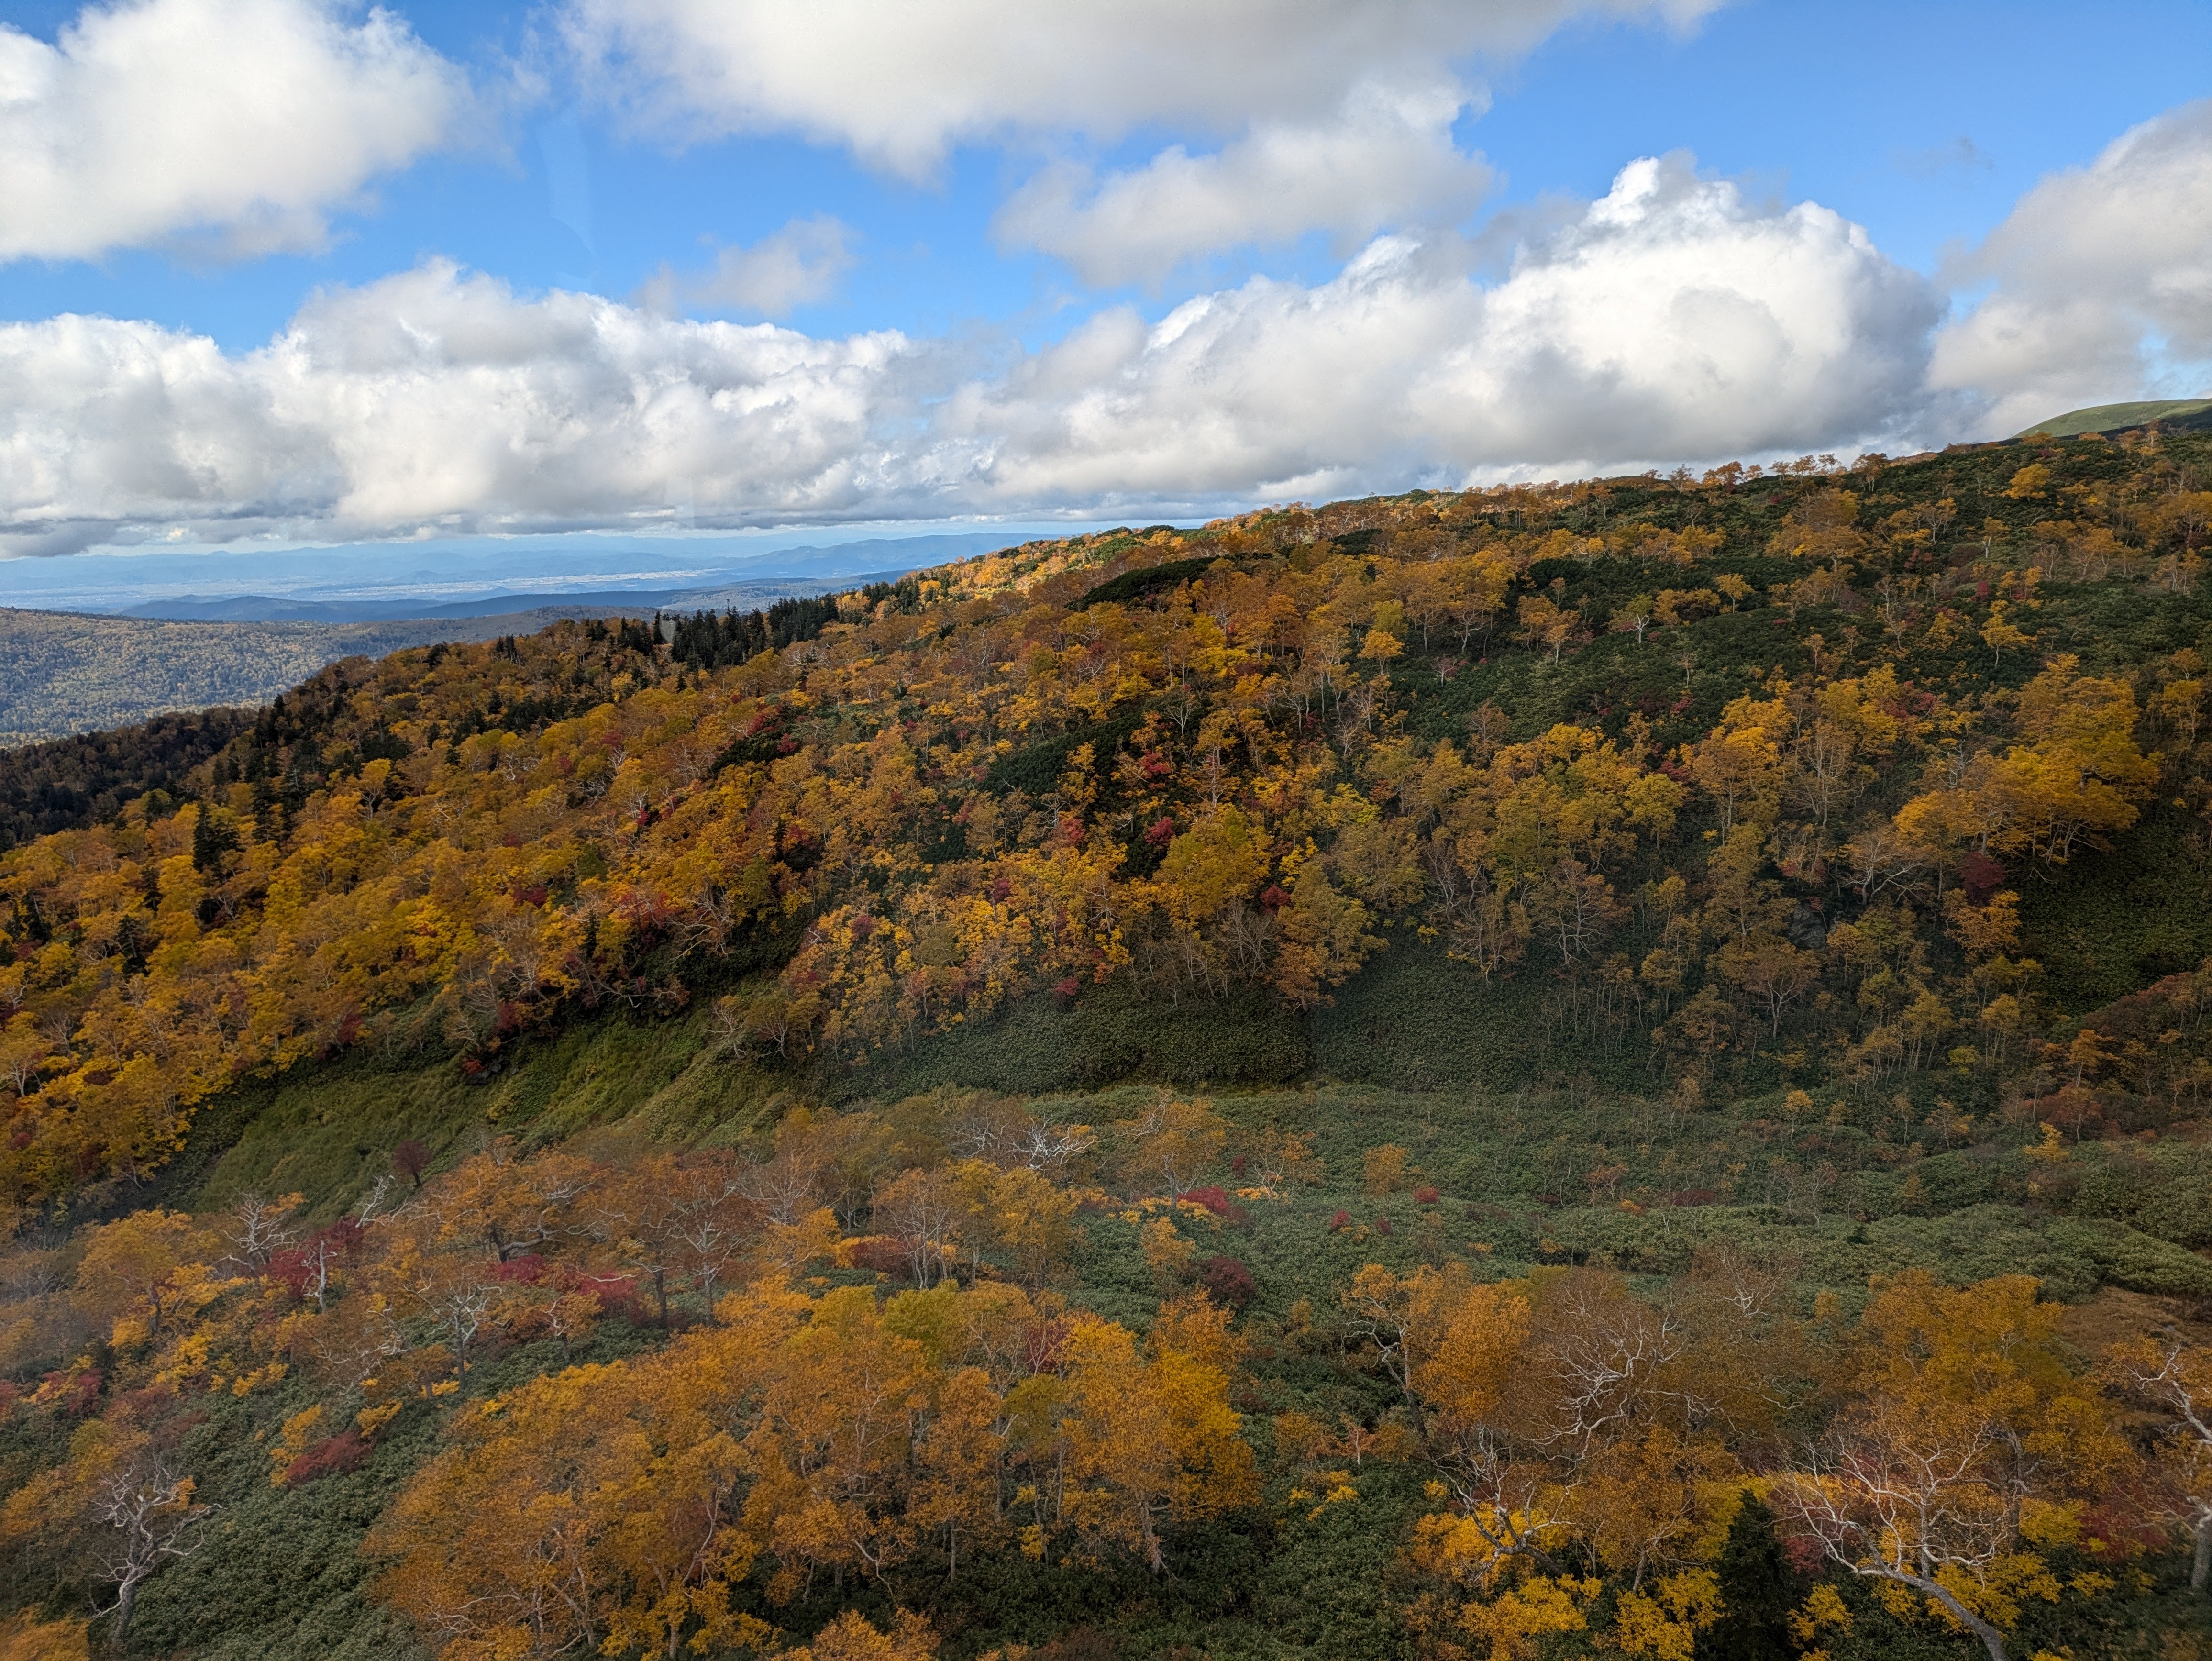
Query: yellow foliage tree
x=1149, y=1440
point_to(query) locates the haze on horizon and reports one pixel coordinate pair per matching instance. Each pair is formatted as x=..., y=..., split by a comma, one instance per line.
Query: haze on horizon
x=302, y=272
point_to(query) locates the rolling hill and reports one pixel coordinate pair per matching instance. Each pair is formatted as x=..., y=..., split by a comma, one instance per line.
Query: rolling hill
x=2179, y=415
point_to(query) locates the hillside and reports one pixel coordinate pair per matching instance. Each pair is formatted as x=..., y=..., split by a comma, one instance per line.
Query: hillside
x=64, y=672
x=2179, y=415
x=1443, y=1075
x=68, y=673
x=64, y=784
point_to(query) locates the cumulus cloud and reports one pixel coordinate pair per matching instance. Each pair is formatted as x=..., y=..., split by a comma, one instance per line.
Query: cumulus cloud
x=900, y=85
x=433, y=399
x=795, y=266
x=1386, y=159
x=244, y=121
x=2103, y=282
x=1332, y=118
x=1673, y=321
x=1670, y=320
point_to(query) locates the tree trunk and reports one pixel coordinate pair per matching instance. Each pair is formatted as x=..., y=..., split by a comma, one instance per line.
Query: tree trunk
x=2200, y=1569
x=1992, y=1640
x=126, y=1598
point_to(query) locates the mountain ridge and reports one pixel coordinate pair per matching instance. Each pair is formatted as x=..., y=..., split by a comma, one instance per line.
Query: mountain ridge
x=2179, y=415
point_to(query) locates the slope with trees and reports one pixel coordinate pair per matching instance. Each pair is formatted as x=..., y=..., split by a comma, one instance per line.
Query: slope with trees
x=1702, y=979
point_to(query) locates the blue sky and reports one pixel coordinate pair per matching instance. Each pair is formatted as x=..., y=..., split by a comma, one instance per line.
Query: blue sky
x=1923, y=123
x=1233, y=251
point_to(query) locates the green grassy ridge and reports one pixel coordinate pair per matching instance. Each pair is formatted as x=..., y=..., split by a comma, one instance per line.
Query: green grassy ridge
x=2185, y=413
x=1510, y=1164
x=325, y=1129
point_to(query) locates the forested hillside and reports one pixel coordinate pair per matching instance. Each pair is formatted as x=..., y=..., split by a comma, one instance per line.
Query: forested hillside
x=65, y=784
x=62, y=673
x=1606, y=1069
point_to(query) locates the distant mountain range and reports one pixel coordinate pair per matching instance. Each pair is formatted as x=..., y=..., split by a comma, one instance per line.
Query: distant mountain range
x=461, y=578
x=503, y=607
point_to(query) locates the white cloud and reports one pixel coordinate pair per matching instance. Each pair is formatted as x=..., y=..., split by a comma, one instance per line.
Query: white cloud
x=2103, y=279
x=1671, y=320
x=795, y=266
x=435, y=400
x=1333, y=118
x=900, y=84
x=1386, y=159
x=241, y=121
x=444, y=398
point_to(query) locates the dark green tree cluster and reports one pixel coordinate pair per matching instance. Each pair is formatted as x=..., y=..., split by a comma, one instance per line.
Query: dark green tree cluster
x=66, y=783
x=709, y=640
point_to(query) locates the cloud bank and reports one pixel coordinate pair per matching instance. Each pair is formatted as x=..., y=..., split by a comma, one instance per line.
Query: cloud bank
x=236, y=123
x=1670, y=320
x=901, y=85
x=2104, y=283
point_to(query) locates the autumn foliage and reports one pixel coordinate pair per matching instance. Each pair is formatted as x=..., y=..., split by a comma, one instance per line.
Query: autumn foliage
x=1759, y=800
x=1029, y=772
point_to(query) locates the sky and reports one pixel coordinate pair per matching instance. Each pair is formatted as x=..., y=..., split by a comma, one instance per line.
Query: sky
x=720, y=275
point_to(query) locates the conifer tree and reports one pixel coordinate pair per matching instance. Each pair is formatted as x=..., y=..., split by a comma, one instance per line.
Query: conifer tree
x=1757, y=1591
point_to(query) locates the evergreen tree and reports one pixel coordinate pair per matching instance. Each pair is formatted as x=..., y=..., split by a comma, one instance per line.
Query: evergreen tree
x=1757, y=1592
x=211, y=839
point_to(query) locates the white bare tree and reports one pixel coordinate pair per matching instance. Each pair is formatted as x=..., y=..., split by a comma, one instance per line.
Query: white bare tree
x=156, y=1520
